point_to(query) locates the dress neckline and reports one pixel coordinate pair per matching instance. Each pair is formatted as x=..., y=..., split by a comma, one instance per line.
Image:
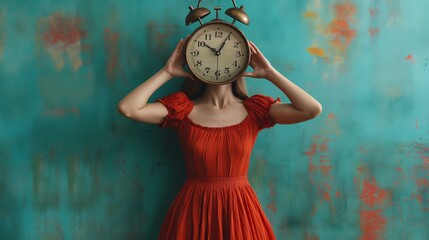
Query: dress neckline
x=216, y=127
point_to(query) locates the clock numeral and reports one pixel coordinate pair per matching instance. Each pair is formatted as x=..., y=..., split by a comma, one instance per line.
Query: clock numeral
x=217, y=73
x=201, y=44
x=236, y=44
x=235, y=63
x=208, y=36
x=199, y=63
x=195, y=53
x=218, y=34
x=229, y=37
x=207, y=70
x=238, y=54
x=226, y=70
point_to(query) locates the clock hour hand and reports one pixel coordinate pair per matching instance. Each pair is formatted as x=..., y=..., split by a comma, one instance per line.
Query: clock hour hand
x=223, y=44
x=213, y=49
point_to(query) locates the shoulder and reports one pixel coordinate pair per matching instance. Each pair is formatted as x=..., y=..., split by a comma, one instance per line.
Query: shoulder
x=179, y=95
x=260, y=100
x=260, y=105
x=178, y=105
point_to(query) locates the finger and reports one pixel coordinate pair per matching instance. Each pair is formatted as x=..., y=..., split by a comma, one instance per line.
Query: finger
x=178, y=46
x=256, y=48
x=253, y=46
x=252, y=49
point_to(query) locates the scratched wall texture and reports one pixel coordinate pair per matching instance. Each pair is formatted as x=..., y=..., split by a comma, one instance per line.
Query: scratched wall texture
x=72, y=168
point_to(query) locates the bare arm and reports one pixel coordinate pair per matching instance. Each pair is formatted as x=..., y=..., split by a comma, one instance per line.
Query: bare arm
x=135, y=106
x=303, y=106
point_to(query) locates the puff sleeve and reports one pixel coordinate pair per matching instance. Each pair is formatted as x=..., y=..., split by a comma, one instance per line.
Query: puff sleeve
x=178, y=106
x=261, y=105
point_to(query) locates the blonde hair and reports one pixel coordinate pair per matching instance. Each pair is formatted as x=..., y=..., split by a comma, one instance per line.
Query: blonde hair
x=195, y=89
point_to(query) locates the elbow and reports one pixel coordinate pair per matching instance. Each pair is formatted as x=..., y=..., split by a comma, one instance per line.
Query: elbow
x=316, y=111
x=123, y=110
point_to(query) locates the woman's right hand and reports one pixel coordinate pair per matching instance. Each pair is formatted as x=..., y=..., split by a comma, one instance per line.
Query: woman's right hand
x=176, y=62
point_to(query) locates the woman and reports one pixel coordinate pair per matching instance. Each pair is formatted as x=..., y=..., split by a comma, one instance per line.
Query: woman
x=217, y=127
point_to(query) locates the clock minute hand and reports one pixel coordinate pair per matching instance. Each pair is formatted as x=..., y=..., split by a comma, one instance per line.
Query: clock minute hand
x=223, y=43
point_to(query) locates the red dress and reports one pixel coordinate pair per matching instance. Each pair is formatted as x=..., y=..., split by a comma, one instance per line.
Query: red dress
x=216, y=202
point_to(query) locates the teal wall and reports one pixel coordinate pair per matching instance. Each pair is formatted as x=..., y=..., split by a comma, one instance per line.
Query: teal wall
x=72, y=168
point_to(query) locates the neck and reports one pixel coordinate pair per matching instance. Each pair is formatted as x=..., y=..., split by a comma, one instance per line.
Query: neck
x=218, y=95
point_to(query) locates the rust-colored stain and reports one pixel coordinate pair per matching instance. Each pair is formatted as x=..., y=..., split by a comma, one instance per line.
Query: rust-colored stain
x=332, y=125
x=61, y=111
x=311, y=237
x=372, y=194
x=273, y=193
x=372, y=224
x=372, y=221
x=340, y=28
x=410, y=58
x=62, y=36
x=422, y=181
x=2, y=31
x=111, y=40
x=373, y=31
x=316, y=51
x=158, y=35
x=373, y=11
x=319, y=162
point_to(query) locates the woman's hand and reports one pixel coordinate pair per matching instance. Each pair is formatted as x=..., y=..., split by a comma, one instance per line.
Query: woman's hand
x=261, y=66
x=176, y=62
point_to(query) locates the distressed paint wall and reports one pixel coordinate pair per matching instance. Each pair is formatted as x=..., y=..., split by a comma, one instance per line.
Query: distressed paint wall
x=72, y=168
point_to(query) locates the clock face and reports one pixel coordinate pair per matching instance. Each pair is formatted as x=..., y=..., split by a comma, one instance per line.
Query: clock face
x=217, y=53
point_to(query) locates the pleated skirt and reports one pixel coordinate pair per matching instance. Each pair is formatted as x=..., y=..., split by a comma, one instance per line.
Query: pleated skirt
x=216, y=209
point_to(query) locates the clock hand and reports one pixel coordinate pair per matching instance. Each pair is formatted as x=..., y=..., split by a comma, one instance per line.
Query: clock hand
x=217, y=65
x=213, y=49
x=223, y=44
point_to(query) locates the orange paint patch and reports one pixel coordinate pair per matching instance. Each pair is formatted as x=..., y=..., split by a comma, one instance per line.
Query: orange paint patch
x=372, y=221
x=410, y=58
x=60, y=112
x=343, y=34
x=373, y=11
x=332, y=125
x=326, y=196
x=62, y=36
x=373, y=31
x=340, y=28
x=310, y=14
x=372, y=194
x=345, y=11
x=422, y=182
x=111, y=44
x=312, y=237
x=2, y=31
x=372, y=224
x=316, y=51
x=273, y=193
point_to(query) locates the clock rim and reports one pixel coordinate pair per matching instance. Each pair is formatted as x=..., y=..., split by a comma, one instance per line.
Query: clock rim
x=239, y=32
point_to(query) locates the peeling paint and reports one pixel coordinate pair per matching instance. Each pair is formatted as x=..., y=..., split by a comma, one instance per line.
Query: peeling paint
x=62, y=39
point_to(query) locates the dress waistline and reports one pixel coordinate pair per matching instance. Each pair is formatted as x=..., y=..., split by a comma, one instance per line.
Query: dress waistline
x=241, y=180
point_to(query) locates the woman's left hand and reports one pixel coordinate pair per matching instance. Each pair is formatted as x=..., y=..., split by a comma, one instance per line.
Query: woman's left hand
x=261, y=66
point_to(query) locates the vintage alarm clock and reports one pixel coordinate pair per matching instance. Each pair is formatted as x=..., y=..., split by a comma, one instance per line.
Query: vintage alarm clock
x=217, y=52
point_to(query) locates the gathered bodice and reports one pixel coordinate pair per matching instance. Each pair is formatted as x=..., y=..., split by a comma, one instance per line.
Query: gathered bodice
x=217, y=152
